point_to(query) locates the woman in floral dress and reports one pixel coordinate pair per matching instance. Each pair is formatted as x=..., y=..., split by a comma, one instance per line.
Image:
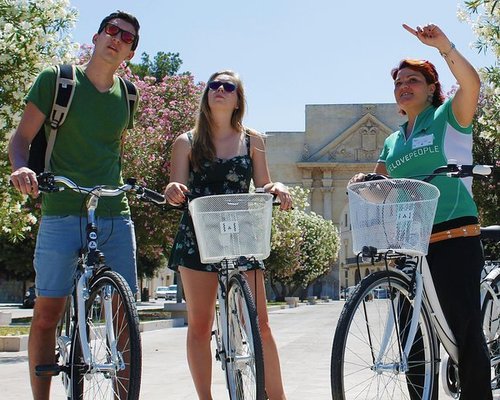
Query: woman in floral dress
x=219, y=156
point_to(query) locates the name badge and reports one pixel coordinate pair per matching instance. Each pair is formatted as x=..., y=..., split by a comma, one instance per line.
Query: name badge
x=422, y=141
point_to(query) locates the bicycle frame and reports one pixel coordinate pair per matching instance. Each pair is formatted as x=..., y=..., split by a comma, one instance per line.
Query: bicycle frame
x=91, y=264
x=424, y=292
x=486, y=287
x=221, y=317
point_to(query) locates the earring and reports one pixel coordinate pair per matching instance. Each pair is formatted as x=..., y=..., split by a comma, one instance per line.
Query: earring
x=430, y=97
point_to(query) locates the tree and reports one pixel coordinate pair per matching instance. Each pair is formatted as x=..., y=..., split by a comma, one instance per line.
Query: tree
x=33, y=35
x=167, y=109
x=164, y=64
x=303, y=247
x=484, y=16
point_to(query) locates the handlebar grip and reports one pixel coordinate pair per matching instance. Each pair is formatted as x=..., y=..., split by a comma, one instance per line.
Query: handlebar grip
x=153, y=196
x=484, y=170
x=374, y=177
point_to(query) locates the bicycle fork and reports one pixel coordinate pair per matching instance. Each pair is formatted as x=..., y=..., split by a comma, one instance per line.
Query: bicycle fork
x=393, y=326
x=221, y=332
x=106, y=302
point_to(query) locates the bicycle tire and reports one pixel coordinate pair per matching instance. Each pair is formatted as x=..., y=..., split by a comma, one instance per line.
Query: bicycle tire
x=123, y=382
x=358, y=340
x=245, y=362
x=490, y=316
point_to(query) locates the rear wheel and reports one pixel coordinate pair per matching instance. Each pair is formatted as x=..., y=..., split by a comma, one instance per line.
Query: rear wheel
x=114, y=342
x=245, y=366
x=367, y=355
x=491, y=327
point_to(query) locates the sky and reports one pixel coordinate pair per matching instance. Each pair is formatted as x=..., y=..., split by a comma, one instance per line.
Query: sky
x=291, y=53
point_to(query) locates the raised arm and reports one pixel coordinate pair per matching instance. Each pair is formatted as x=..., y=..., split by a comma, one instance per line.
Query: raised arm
x=466, y=98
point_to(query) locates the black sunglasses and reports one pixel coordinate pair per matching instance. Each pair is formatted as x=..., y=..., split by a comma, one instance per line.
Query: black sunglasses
x=113, y=30
x=228, y=86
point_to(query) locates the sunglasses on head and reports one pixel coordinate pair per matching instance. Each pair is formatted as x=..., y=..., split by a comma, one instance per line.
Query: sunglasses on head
x=228, y=86
x=113, y=30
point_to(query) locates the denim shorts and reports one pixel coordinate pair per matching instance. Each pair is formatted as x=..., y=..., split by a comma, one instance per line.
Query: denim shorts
x=57, y=247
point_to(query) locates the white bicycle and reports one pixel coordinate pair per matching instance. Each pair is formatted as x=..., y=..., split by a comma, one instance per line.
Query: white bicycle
x=231, y=231
x=98, y=344
x=387, y=348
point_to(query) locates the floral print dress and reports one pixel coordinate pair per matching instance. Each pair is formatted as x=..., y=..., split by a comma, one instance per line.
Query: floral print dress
x=214, y=177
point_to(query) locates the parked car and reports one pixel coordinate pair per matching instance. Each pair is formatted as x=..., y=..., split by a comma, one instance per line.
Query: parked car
x=29, y=298
x=166, y=292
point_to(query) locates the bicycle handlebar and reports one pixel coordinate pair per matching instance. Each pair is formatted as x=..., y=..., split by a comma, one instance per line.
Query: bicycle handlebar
x=452, y=170
x=47, y=182
x=455, y=170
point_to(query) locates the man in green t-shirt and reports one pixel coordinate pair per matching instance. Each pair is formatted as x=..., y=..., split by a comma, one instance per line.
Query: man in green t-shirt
x=87, y=150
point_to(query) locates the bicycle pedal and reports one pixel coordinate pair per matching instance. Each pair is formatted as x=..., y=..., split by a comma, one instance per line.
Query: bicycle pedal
x=48, y=370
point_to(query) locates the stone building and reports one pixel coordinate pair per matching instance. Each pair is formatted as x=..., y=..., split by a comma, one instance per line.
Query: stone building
x=339, y=141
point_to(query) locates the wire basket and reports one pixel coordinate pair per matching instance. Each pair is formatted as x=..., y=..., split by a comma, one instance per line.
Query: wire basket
x=395, y=214
x=232, y=225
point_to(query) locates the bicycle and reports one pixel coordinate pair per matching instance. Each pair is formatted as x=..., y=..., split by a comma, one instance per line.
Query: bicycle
x=490, y=306
x=231, y=231
x=388, y=347
x=490, y=312
x=98, y=343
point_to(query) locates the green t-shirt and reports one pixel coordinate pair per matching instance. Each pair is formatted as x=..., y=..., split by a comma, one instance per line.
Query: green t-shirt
x=436, y=138
x=88, y=144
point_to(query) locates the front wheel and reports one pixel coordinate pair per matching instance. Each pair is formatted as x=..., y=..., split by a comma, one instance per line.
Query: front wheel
x=368, y=359
x=112, y=330
x=245, y=363
x=490, y=312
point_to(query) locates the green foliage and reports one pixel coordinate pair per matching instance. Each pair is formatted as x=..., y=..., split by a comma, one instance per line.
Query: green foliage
x=167, y=109
x=303, y=247
x=484, y=17
x=164, y=64
x=33, y=35
x=16, y=259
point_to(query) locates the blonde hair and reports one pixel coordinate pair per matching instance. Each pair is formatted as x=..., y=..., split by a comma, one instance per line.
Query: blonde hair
x=203, y=148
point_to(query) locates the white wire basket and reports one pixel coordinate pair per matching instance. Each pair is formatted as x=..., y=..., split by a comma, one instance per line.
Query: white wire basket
x=392, y=214
x=232, y=225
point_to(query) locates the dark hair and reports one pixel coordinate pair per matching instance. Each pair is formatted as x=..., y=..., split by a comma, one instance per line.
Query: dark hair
x=126, y=17
x=428, y=70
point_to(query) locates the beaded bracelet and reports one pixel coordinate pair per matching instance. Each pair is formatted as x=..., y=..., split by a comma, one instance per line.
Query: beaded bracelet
x=445, y=55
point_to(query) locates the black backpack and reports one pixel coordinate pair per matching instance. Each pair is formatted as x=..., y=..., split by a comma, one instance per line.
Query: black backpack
x=41, y=148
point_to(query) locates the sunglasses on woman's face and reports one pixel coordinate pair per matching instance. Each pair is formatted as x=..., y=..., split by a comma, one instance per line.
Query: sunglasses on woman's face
x=228, y=86
x=113, y=30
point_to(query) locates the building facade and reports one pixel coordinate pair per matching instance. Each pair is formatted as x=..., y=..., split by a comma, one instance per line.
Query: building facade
x=339, y=141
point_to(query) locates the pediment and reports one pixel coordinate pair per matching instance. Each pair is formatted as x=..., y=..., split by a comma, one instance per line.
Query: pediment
x=361, y=142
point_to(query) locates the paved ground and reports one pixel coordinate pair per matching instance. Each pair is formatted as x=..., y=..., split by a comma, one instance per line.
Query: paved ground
x=304, y=336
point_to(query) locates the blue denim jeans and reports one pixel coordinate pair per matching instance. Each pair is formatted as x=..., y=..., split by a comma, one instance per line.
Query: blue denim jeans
x=57, y=247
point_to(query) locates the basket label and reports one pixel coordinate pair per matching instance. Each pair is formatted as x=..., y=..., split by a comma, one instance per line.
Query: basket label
x=229, y=227
x=405, y=215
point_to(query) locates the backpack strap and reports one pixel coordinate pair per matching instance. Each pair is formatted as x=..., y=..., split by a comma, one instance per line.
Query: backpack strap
x=64, y=91
x=131, y=94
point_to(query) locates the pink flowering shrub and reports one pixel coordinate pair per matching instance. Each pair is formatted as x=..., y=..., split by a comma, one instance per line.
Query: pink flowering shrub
x=166, y=109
